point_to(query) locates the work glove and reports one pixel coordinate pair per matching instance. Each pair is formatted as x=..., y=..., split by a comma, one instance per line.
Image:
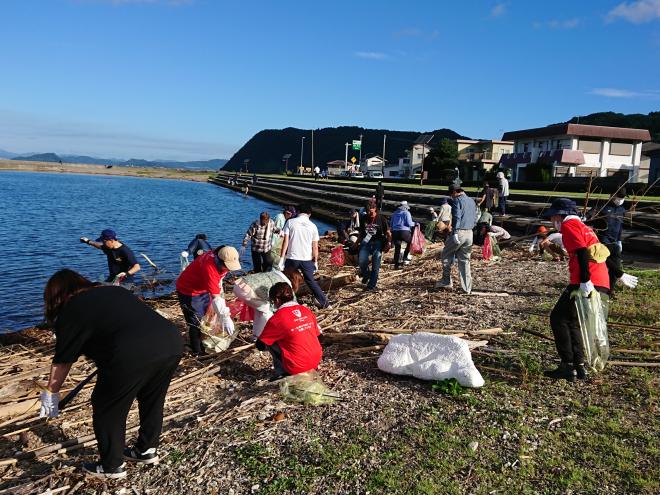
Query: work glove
x=454, y=238
x=586, y=288
x=84, y=240
x=49, y=404
x=228, y=325
x=316, y=266
x=280, y=264
x=185, y=254
x=629, y=281
x=220, y=306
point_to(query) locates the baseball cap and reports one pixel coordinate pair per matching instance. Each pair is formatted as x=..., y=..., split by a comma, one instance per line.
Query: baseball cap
x=107, y=235
x=229, y=256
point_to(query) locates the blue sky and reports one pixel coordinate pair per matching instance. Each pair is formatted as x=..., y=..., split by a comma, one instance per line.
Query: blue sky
x=195, y=79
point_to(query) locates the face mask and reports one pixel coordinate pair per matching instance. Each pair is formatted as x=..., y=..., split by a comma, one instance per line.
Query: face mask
x=617, y=201
x=557, y=224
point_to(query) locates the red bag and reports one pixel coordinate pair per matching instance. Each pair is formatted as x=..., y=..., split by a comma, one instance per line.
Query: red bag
x=238, y=307
x=337, y=256
x=487, y=249
x=418, y=243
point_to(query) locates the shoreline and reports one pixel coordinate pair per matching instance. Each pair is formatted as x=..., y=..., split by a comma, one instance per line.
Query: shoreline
x=91, y=169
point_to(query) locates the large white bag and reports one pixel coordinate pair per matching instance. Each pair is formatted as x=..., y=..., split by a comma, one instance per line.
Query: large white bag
x=430, y=356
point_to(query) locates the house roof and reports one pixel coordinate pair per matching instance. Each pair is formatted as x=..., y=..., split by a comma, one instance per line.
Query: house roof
x=477, y=141
x=580, y=130
x=337, y=162
x=649, y=147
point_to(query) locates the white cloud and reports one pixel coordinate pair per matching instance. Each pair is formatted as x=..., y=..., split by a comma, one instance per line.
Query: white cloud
x=498, y=10
x=372, y=55
x=636, y=12
x=558, y=23
x=624, y=93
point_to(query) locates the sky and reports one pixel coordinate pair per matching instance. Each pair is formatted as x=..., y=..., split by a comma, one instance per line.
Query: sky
x=195, y=79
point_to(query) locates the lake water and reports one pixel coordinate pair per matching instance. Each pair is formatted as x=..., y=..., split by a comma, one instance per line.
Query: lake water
x=44, y=215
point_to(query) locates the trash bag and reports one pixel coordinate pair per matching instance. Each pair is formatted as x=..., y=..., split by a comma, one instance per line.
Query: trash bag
x=417, y=244
x=240, y=309
x=593, y=329
x=486, y=249
x=430, y=230
x=307, y=388
x=495, y=247
x=337, y=256
x=214, y=336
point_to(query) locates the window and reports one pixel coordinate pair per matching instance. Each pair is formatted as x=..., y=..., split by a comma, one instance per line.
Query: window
x=526, y=147
x=621, y=149
x=589, y=146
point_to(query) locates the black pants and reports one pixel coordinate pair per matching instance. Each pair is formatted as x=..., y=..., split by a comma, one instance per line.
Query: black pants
x=566, y=327
x=276, y=354
x=262, y=262
x=399, y=236
x=614, y=264
x=116, y=389
x=193, y=309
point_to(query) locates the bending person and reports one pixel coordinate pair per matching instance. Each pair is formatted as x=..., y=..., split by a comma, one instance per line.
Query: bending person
x=291, y=335
x=122, y=264
x=200, y=285
x=136, y=352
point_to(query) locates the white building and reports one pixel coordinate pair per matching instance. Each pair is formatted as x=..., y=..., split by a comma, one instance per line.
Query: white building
x=577, y=150
x=371, y=164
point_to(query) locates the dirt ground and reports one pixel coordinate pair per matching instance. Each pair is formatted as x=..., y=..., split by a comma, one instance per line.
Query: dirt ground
x=230, y=431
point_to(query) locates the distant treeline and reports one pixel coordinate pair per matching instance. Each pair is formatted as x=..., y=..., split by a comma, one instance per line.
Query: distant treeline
x=266, y=148
x=214, y=164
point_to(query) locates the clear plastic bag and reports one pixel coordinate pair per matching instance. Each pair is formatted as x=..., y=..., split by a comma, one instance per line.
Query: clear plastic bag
x=307, y=388
x=183, y=262
x=214, y=336
x=593, y=329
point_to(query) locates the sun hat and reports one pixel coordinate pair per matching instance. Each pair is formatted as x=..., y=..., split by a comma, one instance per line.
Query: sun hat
x=229, y=256
x=561, y=206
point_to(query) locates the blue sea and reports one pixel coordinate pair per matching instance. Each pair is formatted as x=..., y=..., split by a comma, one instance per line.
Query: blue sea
x=44, y=215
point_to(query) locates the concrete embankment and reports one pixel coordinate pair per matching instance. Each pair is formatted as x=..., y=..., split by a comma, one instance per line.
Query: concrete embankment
x=331, y=201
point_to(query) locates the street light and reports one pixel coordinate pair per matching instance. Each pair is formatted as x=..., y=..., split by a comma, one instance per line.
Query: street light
x=302, y=148
x=245, y=162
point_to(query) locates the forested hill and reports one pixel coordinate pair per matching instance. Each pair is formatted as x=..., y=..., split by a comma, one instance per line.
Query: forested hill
x=634, y=120
x=266, y=148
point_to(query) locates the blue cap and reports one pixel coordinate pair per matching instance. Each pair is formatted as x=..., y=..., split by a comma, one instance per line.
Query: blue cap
x=107, y=235
x=561, y=206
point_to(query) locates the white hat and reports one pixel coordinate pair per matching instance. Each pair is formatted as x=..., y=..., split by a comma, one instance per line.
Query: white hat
x=500, y=175
x=431, y=208
x=404, y=204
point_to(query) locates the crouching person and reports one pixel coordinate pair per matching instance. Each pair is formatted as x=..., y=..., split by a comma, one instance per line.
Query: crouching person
x=291, y=335
x=136, y=352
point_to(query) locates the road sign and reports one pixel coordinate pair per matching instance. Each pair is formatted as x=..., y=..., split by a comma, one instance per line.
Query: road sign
x=353, y=159
x=357, y=145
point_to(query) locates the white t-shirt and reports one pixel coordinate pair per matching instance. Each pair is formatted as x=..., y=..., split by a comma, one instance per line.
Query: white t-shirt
x=302, y=232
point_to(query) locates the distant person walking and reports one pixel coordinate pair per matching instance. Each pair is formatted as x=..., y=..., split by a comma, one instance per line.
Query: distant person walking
x=300, y=250
x=122, y=264
x=317, y=172
x=380, y=195
x=375, y=238
x=261, y=233
x=198, y=246
x=402, y=225
x=459, y=243
x=503, y=192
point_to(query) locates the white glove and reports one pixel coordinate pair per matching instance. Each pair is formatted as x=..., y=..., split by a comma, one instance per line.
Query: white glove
x=586, y=288
x=316, y=266
x=280, y=265
x=228, y=325
x=220, y=306
x=84, y=240
x=629, y=281
x=184, y=254
x=455, y=239
x=49, y=404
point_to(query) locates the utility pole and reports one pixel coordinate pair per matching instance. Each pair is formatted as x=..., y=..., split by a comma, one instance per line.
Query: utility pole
x=382, y=171
x=421, y=175
x=302, y=148
x=360, y=150
x=313, y=167
x=346, y=157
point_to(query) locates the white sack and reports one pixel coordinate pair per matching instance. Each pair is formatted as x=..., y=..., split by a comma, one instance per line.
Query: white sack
x=430, y=356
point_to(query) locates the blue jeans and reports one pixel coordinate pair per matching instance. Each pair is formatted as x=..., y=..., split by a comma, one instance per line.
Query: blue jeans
x=374, y=249
x=307, y=269
x=502, y=205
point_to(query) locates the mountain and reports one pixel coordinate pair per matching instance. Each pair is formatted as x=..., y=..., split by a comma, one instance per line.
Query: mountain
x=651, y=121
x=7, y=154
x=214, y=164
x=266, y=148
x=39, y=157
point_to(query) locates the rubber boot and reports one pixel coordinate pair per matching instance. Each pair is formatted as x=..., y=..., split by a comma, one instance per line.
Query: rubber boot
x=581, y=372
x=564, y=370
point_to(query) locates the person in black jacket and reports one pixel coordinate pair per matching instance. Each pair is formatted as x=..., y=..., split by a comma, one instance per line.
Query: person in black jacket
x=375, y=238
x=136, y=352
x=380, y=195
x=122, y=263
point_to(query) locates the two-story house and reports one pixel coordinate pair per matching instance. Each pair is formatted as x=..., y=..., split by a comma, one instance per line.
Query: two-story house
x=485, y=151
x=577, y=150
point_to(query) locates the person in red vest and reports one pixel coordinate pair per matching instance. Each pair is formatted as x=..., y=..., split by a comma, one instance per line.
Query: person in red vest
x=586, y=275
x=291, y=335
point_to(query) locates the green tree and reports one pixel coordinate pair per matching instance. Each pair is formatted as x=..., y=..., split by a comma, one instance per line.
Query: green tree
x=443, y=157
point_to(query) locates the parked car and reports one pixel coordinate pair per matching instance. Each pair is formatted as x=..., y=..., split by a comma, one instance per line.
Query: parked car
x=344, y=173
x=376, y=175
x=358, y=175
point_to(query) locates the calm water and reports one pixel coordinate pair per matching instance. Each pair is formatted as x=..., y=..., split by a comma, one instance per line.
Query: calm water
x=44, y=215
